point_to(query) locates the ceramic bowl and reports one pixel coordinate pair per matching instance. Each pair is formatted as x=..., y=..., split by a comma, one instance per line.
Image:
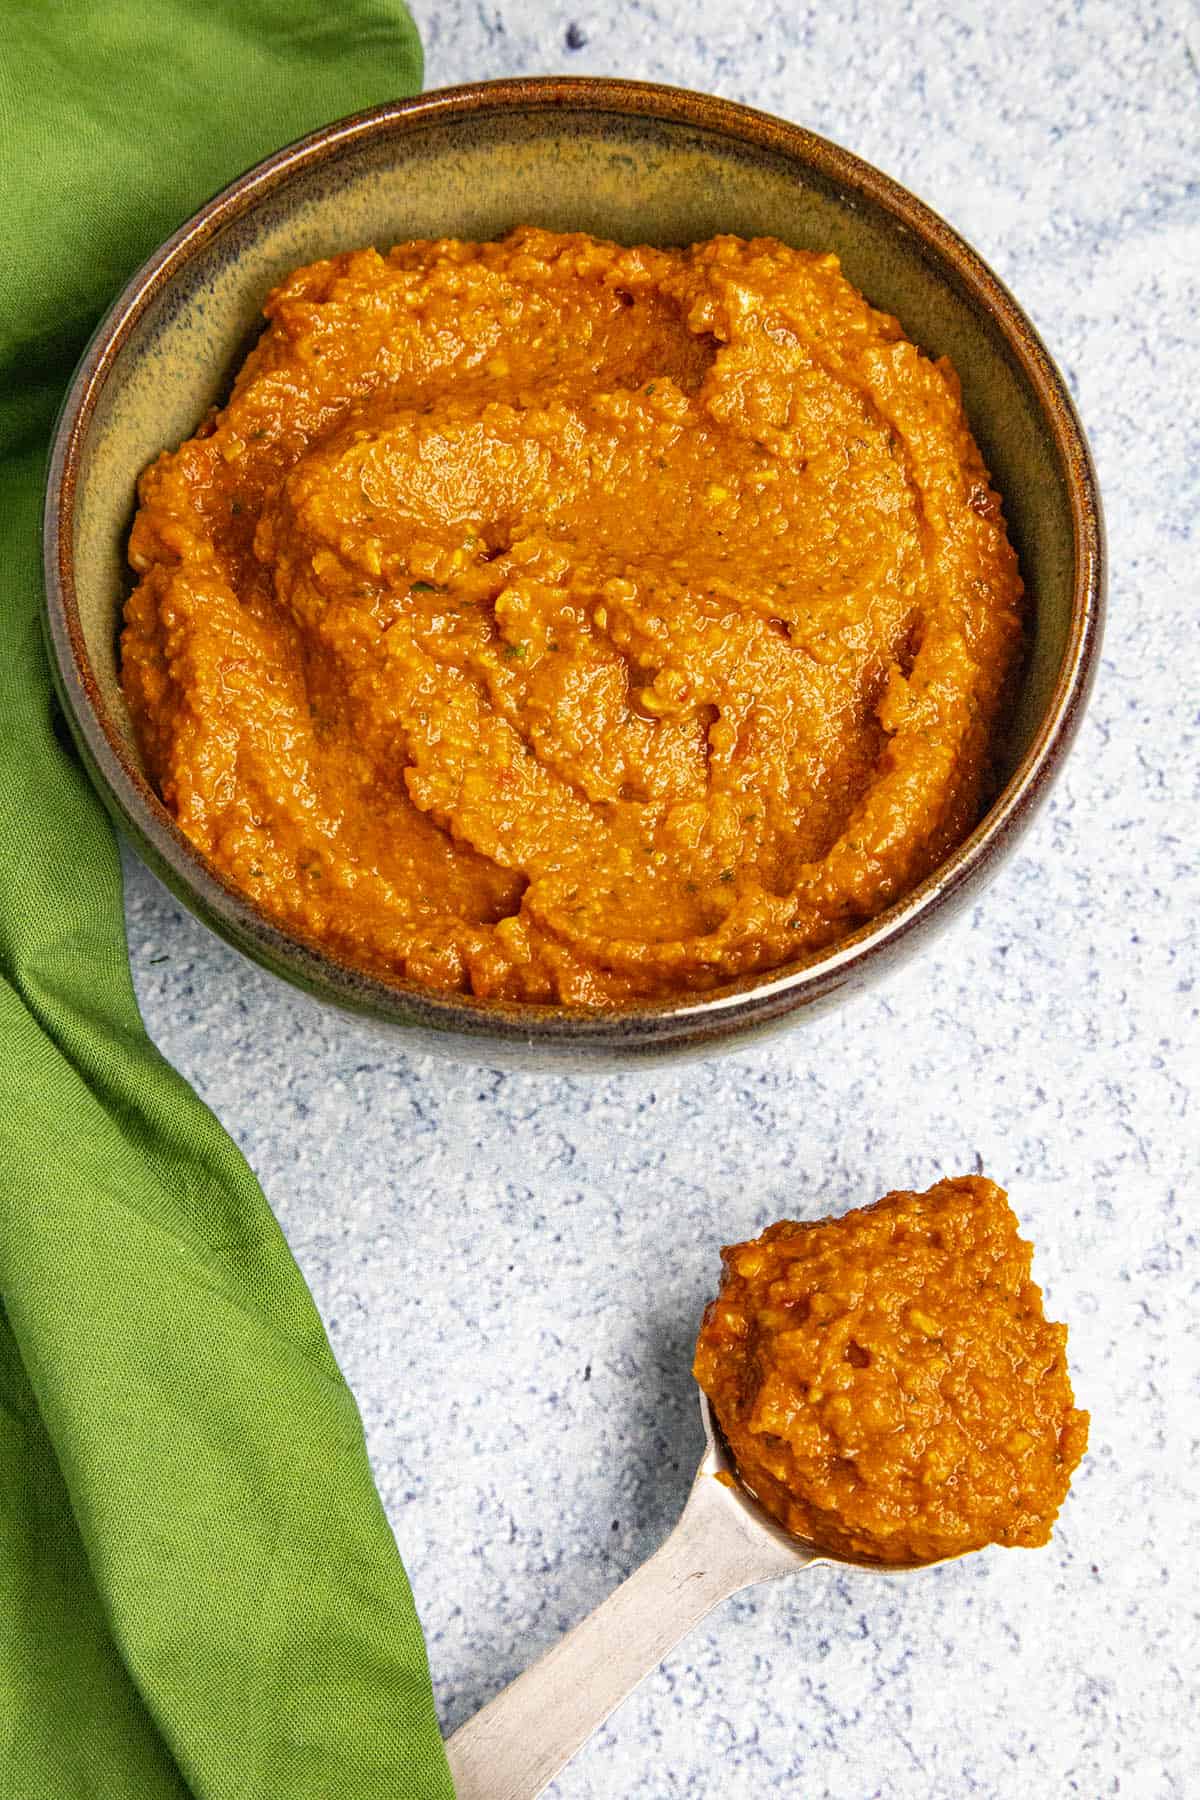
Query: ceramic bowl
x=636, y=163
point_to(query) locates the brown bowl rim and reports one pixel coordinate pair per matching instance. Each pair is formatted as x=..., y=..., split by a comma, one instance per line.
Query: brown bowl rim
x=731, y=1007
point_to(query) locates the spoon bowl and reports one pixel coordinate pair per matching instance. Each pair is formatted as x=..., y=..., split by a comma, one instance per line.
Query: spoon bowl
x=718, y=1460
x=725, y=1541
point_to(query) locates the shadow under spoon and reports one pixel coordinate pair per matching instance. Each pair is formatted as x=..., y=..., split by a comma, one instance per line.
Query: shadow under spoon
x=724, y=1542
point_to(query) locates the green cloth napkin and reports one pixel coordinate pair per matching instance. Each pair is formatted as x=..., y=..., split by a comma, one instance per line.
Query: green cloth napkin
x=199, y=1591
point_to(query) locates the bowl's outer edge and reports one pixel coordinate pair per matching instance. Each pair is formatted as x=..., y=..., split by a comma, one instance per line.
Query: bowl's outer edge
x=693, y=1023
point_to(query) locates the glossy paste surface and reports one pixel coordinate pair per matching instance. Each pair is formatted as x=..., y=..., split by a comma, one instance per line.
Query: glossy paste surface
x=888, y=1382
x=559, y=621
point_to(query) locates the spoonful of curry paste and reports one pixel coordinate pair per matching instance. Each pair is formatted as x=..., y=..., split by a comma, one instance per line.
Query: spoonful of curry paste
x=881, y=1389
x=887, y=1382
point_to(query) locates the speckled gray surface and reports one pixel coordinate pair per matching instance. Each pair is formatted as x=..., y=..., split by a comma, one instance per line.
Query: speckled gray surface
x=528, y=1404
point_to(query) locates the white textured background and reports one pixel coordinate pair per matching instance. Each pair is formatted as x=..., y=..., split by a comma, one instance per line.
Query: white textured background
x=528, y=1406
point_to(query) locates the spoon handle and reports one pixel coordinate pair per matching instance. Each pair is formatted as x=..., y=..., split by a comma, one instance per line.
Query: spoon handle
x=520, y=1740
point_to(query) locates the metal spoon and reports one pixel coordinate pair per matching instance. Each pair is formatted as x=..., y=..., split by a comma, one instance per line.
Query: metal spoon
x=724, y=1542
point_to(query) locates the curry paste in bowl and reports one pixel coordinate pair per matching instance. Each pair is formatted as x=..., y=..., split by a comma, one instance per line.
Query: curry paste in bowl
x=557, y=621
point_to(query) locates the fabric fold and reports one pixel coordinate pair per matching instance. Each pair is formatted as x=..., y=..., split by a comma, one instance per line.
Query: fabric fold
x=200, y=1588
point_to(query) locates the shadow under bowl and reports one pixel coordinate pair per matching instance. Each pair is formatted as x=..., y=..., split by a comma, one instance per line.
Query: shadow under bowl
x=622, y=160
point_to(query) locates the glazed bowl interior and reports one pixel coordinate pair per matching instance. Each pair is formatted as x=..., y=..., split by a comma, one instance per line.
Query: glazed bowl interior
x=622, y=162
